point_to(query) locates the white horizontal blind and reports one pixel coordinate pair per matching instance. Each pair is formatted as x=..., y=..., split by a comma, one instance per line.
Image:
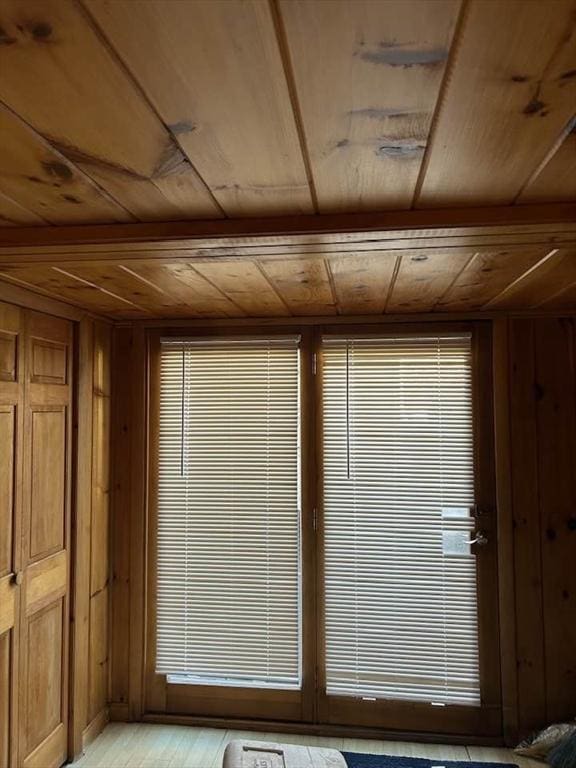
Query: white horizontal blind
x=401, y=613
x=228, y=592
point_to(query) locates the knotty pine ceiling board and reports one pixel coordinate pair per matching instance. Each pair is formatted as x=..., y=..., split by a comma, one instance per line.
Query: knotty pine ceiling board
x=303, y=284
x=60, y=284
x=43, y=181
x=214, y=72
x=246, y=284
x=12, y=214
x=136, y=288
x=362, y=282
x=351, y=284
x=181, y=278
x=508, y=97
x=486, y=275
x=540, y=288
x=422, y=280
x=556, y=179
x=367, y=75
x=62, y=79
x=187, y=286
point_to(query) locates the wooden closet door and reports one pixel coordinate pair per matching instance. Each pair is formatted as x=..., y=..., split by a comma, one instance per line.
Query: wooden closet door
x=11, y=414
x=45, y=543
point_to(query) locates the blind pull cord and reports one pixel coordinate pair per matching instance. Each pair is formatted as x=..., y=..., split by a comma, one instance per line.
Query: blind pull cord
x=182, y=413
x=348, y=410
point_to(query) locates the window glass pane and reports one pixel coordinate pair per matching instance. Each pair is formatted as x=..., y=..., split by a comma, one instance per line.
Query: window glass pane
x=228, y=591
x=400, y=577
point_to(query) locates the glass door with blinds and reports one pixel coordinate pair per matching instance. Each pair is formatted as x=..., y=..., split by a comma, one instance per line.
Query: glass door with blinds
x=321, y=530
x=226, y=631
x=408, y=569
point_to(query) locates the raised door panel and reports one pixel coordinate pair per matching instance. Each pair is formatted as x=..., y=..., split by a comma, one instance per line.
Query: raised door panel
x=48, y=480
x=44, y=624
x=8, y=352
x=44, y=679
x=7, y=469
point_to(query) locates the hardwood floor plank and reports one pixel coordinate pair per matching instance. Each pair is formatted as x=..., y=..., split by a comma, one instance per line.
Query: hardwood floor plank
x=141, y=745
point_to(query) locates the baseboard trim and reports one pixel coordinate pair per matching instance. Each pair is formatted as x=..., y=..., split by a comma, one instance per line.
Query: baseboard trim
x=95, y=727
x=119, y=712
x=351, y=732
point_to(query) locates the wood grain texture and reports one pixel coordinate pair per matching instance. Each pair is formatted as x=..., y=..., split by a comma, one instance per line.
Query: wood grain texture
x=120, y=503
x=554, y=341
x=63, y=285
x=514, y=224
x=303, y=285
x=509, y=96
x=44, y=627
x=422, y=280
x=541, y=287
x=367, y=78
x=13, y=214
x=245, y=283
x=100, y=474
x=55, y=60
x=486, y=275
x=45, y=183
x=362, y=283
x=143, y=745
x=212, y=69
x=556, y=179
x=452, y=279
x=80, y=638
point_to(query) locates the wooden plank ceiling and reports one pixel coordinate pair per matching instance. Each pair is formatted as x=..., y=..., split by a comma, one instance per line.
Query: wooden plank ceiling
x=127, y=111
x=385, y=269
x=141, y=110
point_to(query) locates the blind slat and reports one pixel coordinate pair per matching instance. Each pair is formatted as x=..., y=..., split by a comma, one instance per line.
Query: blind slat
x=401, y=615
x=228, y=594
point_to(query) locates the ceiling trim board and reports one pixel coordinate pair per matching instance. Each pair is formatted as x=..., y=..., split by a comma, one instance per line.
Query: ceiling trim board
x=559, y=217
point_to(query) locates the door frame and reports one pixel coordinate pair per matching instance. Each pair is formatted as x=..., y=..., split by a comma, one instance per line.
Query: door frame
x=159, y=696
x=405, y=715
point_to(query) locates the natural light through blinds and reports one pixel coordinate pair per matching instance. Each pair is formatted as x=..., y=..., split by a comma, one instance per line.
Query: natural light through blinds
x=401, y=607
x=228, y=605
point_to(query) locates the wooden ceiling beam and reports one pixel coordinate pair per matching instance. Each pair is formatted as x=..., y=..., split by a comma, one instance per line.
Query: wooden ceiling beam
x=427, y=225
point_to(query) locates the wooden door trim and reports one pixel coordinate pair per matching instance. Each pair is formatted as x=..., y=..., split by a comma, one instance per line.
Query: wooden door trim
x=81, y=529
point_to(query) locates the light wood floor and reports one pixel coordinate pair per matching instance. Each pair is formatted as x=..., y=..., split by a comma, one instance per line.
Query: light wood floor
x=139, y=745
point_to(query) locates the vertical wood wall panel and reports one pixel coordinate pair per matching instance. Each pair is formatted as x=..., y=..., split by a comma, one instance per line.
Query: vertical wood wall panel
x=543, y=478
x=90, y=665
x=120, y=522
x=527, y=555
x=556, y=423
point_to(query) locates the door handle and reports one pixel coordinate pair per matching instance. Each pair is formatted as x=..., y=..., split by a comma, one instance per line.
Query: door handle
x=17, y=578
x=481, y=539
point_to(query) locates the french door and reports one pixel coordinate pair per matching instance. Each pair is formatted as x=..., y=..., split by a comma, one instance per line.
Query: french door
x=407, y=533
x=322, y=528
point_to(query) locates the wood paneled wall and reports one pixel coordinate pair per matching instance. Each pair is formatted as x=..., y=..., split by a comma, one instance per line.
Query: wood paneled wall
x=542, y=390
x=90, y=688
x=535, y=411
